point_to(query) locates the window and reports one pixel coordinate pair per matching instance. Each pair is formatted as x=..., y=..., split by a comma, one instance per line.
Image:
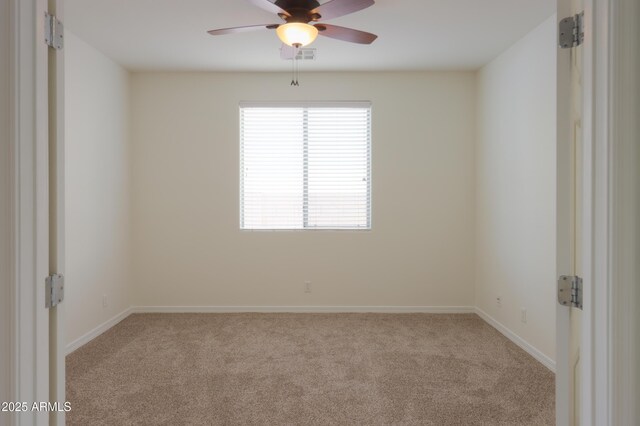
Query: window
x=305, y=166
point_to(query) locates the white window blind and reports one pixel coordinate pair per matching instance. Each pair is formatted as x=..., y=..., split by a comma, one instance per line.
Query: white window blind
x=305, y=166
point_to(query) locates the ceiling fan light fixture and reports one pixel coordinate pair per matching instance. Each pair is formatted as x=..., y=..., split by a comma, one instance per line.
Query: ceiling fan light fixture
x=297, y=33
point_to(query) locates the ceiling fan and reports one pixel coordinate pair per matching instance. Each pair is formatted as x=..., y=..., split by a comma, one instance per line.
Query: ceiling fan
x=301, y=18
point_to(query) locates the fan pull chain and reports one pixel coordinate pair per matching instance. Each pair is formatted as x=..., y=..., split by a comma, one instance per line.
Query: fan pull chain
x=294, y=72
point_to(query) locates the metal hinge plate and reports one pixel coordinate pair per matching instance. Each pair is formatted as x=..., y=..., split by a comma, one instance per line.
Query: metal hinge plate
x=54, y=290
x=53, y=32
x=570, y=291
x=571, y=31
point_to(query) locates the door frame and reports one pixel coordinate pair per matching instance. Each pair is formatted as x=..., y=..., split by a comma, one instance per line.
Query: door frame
x=597, y=327
x=624, y=226
x=5, y=208
x=610, y=323
x=608, y=326
x=27, y=356
x=594, y=365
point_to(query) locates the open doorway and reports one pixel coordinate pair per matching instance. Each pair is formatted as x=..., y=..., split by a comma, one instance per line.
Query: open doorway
x=156, y=301
x=463, y=189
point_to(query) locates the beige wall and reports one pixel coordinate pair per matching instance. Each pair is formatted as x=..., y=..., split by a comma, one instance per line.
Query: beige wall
x=97, y=188
x=188, y=250
x=516, y=188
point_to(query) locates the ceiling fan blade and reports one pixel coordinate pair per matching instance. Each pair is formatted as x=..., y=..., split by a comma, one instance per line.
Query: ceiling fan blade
x=234, y=30
x=288, y=52
x=270, y=7
x=335, y=8
x=345, y=34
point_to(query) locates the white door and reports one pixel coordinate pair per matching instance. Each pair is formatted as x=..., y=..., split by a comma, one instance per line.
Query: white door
x=29, y=105
x=573, y=232
x=37, y=204
x=56, y=217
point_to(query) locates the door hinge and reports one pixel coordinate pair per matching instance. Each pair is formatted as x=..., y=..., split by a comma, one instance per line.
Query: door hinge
x=570, y=291
x=571, y=31
x=53, y=32
x=54, y=290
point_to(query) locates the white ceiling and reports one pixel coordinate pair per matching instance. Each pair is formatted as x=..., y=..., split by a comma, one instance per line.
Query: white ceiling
x=413, y=34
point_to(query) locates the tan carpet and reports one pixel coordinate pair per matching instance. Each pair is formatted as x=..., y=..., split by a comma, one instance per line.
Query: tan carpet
x=306, y=369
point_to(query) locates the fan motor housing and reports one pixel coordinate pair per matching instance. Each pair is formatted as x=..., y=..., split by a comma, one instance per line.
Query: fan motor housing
x=297, y=4
x=299, y=10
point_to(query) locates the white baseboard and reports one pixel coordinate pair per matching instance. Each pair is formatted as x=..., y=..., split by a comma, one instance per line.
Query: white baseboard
x=86, y=338
x=527, y=347
x=306, y=309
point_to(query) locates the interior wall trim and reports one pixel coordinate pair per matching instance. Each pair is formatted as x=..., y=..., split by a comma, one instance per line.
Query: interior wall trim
x=89, y=336
x=523, y=344
x=307, y=309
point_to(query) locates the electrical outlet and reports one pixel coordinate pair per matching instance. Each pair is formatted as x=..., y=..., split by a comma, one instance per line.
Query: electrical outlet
x=105, y=301
x=523, y=315
x=307, y=286
x=499, y=302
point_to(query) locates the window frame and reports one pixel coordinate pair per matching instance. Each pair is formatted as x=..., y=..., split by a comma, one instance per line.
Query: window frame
x=306, y=104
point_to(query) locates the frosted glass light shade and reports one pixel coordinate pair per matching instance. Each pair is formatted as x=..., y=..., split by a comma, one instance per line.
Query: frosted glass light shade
x=297, y=33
